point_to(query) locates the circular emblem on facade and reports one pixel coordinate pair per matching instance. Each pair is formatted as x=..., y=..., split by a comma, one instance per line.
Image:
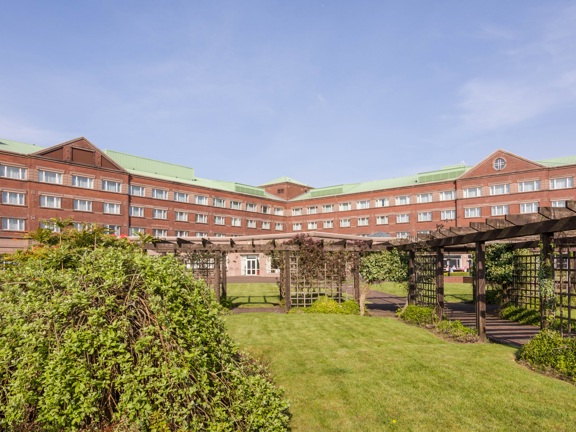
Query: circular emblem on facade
x=499, y=164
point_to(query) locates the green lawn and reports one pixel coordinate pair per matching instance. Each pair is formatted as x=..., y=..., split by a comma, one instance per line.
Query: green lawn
x=253, y=294
x=352, y=373
x=453, y=292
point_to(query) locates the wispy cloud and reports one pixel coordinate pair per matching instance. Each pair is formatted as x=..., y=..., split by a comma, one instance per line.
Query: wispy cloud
x=536, y=77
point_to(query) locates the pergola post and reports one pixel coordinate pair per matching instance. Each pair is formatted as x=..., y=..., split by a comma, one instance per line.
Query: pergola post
x=546, y=255
x=440, y=282
x=287, y=299
x=356, y=273
x=224, y=275
x=480, y=290
x=412, y=277
x=217, y=260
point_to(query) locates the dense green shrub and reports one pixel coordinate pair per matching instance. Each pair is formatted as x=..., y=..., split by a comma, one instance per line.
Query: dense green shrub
x=550, y=350
x=418, y=315
x=111, y=337
x=458, y=331
x=326, y=305
x=521, y=315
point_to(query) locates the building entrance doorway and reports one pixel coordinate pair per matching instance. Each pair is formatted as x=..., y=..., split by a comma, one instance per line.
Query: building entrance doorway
x=250, y=265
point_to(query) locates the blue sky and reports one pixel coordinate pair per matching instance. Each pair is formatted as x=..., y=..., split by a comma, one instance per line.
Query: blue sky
x=326, y=92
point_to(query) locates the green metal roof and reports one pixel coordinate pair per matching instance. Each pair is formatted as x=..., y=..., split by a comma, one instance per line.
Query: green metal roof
x=18, y=147
x=566, y=160
x=136, y=163
x=283, y=180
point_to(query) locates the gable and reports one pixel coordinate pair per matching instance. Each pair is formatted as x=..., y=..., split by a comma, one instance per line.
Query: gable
x=501, y=162
x=79, y=151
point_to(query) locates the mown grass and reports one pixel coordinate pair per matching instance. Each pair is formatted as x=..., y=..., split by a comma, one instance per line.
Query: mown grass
x=246, y=295
x=453, y=292
x=352, y=373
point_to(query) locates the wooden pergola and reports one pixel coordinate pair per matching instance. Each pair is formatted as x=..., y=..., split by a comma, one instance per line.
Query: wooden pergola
x=551, y=226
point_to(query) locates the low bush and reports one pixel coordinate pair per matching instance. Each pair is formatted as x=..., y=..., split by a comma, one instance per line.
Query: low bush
x=521, y=315
x=549, y=350
x=418, y=315
x=458, y=331
x=326, y=305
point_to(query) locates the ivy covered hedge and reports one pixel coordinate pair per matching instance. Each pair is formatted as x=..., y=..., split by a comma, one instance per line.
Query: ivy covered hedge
x=108, y=337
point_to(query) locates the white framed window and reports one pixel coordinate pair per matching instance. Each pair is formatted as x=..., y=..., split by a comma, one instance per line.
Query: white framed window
x=278, y=226
x=297, y=226
x=236, y=222
x=82, y=205
x=403, y=234
x=219, y=202
x=381, y=220
x=182, y=234
x=499, y=210
x=561, y=183
x=278, y=211
x=13, y=224
x=328, y=224
x=364, y=204
x=250, y=223
x=235, y=205
x=529, y=186
x=181, y=216
x=402, y=200
x=327, y=208
x=200, y=200
x=251, y=207
x=13, y=198
x=382, y=202
x=297, y=211
x=363, y=221
x=113, y=229
x=50, y=201
x=181, y=197
x=345, y=206
x=265, y=209
x=201, y=218
x=50, y=225
x=201, y=234
x=424, y=198
x=136, y=211
x=345, y=223
x=50, y=177
x=134, y=231
x=13, y=172
x=403, y=218
x=265, y=225
x=159, y=214
x=312, y=225
x=111, y=186
x=82, y=182
x=219, y=220
x=111, y=208
x=558, y=203
x=472, y=212
x=473, y=192
x=501, y=189
x=79, y=226
x=499, y=164
x=447, y=214
x=424, y=232
x=137, y=190
x=424, y=216
x=529, y=207
x=160, y=232
x=447, y=195
x=160, y=194
x=312, y=210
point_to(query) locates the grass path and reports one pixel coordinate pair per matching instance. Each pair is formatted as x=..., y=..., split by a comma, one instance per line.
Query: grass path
x=351, y=373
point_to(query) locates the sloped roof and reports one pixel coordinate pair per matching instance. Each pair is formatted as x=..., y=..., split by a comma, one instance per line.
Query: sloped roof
x=443, y=174
x=560, y=161
x=18, y=147
x=283, y=180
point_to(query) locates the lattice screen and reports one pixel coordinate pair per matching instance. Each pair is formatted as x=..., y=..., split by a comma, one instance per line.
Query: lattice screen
x=202, y=265
x=425, y=272
x=565, y=290
x=525, y=291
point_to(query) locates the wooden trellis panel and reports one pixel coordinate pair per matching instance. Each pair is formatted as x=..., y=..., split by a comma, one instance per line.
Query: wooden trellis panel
x=565, y=287
x=202, y=264
x=425, y=279
x=525, y=291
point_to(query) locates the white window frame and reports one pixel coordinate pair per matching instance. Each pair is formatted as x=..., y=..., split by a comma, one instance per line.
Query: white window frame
x=136, y=211
x=13, y=172
x=447, y=195
x=50, y=201
x=561, y=183
x=531, y=207
x=236, y=222
x=312, y=210
x=112, y=186
x=200, y=200
x=313, y=225
x=79, y=203
x=159, y=214
x=448, y=214
x=161, y=194
x=136, y=190
x=425, y=216
x=279, y=226
x=251, y=223
x=219, y=220
x=265, y=225
x=201, y=218
x=83, y=182
x=13, y=198
x=328, y=224
x=13, y=224
x=51, y=177
x=500, y=189
x=363, y=204
x=236, y=205
x=134, y=231
x=472, y=212
x=363, y=221
x=403, y=218
x=381, y=220
x=297, y=226
x=500, y=210
x=402, y=200
x=424, y=198
x=347, y=206
x=182, y=234
x=278, y=211
x=181, y=197
x=219, y=202
x=111, y=208
x=529, y=186
x=328, y=208
x=159, y=232
x=297, y=211
x=472, y=192
x=558, y=203
x=382, y=202
x=345, y=223
x=181, y=216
